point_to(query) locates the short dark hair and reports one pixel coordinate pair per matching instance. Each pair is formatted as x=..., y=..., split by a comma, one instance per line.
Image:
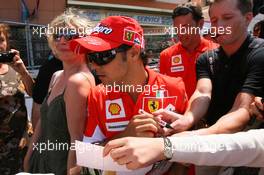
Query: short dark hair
x=196, y=12
x=244, y=6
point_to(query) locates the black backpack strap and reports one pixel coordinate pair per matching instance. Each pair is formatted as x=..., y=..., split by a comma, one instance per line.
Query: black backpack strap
x=211, y=59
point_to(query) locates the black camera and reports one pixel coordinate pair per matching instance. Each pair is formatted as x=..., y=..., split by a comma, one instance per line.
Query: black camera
x=7, y=57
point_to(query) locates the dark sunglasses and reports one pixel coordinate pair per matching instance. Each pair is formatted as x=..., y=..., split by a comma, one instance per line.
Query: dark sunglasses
x=181, y=11
x=105, y=57
x=67, y=36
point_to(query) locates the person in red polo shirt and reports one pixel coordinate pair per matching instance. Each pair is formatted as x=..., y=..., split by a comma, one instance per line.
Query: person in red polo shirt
x=179, y=60
x=122, y=105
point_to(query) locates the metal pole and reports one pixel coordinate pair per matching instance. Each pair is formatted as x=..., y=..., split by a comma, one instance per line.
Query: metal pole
x=29, y=45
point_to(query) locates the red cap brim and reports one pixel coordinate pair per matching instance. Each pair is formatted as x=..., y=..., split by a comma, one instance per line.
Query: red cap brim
x=92, y=44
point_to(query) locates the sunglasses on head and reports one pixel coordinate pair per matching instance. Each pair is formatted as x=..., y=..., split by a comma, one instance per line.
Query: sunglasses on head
x=181, y=11
x=105, y=57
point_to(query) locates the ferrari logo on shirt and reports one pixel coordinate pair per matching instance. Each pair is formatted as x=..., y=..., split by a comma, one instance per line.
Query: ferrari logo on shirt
x=176, y=60
x=114, y=109
x=153, y=105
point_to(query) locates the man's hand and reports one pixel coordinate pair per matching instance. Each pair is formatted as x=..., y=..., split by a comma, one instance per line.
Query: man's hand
x=135, y=152
x=257, y=109
x=142, y=125
x=177, y=121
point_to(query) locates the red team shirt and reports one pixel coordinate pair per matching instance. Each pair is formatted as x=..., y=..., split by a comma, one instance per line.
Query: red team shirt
x=176, y=61
x=109, y=113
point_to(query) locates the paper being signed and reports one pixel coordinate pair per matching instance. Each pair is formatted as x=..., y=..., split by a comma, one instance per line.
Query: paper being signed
x=90, y=155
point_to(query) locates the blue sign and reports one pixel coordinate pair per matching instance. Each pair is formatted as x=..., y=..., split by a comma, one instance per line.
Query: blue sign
x=93, y=16
x=149, y=19
x=142, y=19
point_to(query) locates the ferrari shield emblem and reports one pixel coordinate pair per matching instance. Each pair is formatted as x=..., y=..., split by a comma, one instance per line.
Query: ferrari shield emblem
x=153, y=105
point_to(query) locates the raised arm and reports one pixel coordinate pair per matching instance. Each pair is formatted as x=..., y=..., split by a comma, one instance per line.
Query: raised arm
x=19, y=67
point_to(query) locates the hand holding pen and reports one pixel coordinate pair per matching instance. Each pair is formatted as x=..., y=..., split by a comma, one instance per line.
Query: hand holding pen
x=177, y=121
x=161, y=122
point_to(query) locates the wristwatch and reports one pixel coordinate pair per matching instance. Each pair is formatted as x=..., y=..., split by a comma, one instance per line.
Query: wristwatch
x=167, y=148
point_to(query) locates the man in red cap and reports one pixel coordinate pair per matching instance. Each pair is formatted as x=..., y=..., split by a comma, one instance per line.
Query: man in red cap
x=122, y=106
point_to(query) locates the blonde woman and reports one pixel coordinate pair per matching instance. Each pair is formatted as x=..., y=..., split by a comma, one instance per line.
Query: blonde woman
x=64, y=109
